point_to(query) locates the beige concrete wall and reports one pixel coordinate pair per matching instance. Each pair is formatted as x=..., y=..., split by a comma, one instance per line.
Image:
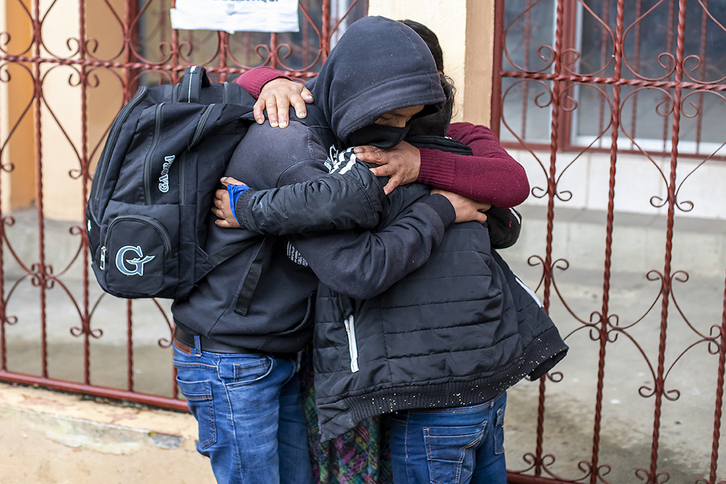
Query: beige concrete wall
x=61, y=115
x=466, y=32
x=16, y=110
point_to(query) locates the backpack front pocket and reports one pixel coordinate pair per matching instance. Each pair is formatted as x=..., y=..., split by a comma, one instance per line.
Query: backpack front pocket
x=137, y=257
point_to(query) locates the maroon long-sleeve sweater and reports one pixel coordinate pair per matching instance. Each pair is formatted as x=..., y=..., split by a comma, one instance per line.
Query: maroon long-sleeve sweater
x=490, y=175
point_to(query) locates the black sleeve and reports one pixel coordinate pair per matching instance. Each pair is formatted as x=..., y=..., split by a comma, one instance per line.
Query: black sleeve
x=338, y=201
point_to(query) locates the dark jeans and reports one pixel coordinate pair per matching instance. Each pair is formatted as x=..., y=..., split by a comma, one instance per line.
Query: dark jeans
x=449, y=445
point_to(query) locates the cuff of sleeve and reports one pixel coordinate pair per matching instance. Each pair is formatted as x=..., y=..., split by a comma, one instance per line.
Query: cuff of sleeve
x=253, y=80
x=240, y=208
x=234, y=192
x=437, y=168
x=443, y=207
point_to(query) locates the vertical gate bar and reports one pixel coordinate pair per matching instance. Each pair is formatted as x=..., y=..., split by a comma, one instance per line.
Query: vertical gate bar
x=3, y=315
x=85, y=165
x=162, y=22
x=128, y=41
x=702, y=73
x=40, y=267
x=129, y=348
x=659, y=382
x=603, y=59
x=223, y=54
x=174, y=49
x=636, y=64
x=129, y=15
x=325, y=31
x=305, y=47
x=273, y=50
x=618, y=52
x=569, y=39
x=525, y=85
x=669, y=43
x=551, y=192
x=495, y=122
x=719, y=395
x=3, y=307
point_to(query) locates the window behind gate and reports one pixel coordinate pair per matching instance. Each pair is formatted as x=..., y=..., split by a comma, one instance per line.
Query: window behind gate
x=649, y=59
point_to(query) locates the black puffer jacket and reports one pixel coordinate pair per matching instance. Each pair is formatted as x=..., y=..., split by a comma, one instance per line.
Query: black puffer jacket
x=459, y=330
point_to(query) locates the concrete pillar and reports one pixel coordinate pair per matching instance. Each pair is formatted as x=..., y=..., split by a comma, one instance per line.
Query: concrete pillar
x=466, y=32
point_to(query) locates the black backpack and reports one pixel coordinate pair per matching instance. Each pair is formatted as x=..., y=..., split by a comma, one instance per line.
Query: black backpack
x=154, y=184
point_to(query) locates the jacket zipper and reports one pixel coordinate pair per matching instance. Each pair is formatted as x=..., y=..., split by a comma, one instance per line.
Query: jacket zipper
x=150, y=153
x=114, y=134
x=135, y=218
x=225, y=96
x=352, y=344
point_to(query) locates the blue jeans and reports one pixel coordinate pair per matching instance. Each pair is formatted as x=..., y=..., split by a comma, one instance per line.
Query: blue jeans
x=250, y=415
x=449, y=445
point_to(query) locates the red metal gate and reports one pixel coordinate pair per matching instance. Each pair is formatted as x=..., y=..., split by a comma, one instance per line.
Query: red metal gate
x=118, y=45
x=655, y=74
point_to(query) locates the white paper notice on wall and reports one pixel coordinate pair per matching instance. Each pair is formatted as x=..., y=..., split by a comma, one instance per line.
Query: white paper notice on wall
x=236, y=15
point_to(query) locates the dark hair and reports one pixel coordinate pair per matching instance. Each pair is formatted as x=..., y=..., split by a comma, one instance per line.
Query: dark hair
x=438, y=122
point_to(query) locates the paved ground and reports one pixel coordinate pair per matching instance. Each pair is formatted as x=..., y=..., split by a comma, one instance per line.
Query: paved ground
x=53, y=438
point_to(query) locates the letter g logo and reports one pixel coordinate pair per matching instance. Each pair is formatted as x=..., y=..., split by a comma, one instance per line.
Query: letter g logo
x=137, y=262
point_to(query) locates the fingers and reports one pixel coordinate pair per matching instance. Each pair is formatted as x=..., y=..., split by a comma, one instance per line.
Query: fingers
x=370, y=154
x=271, y=107
x=283, y=110
x=258, y=110
x=480, y=217
x=226, y=224
x=228, y=180
x=383, y=170
x=299, y=104
x=391, y=185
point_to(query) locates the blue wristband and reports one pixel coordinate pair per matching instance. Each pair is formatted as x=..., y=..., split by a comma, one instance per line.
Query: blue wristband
x=234, y=192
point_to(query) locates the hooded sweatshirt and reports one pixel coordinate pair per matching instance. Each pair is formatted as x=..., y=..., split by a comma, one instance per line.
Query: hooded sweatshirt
x=377, y=66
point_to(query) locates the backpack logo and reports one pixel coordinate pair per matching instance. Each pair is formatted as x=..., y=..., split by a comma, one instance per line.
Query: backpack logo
x=164, y=178
x=138, y=262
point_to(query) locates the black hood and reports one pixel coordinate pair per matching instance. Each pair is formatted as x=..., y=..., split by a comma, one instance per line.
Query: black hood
x=378, y=65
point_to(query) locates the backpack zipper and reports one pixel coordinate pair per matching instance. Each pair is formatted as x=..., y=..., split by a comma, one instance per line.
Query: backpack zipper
x=136, y=218
x=200, y=126
x=149, y=154
x=182, y=164
x=191, y=77
x=349, y=324
x=114, y=134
